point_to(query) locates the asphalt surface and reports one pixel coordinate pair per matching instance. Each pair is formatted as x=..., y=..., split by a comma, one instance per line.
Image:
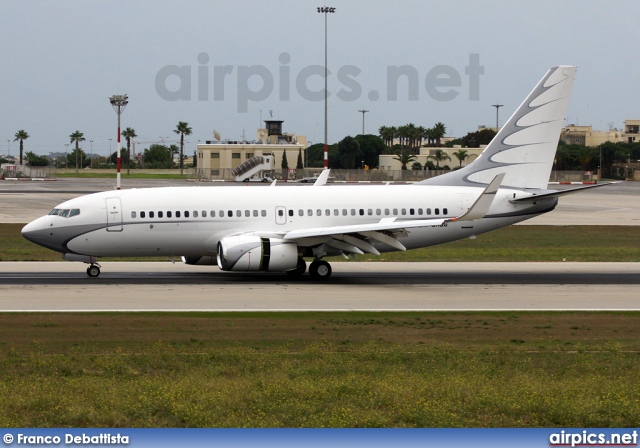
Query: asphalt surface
x=61, y=286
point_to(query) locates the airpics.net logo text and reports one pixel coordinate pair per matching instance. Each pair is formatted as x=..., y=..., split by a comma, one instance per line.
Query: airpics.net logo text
x=256, y=83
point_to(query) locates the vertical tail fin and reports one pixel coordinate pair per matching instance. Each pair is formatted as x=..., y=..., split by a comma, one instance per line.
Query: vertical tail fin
x=526, y=145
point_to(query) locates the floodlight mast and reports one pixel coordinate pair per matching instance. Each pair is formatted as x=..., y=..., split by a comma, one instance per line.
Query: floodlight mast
x=119, y=102
x=326, y=10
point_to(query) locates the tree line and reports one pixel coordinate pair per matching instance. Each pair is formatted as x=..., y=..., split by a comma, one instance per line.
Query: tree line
x=156, y=156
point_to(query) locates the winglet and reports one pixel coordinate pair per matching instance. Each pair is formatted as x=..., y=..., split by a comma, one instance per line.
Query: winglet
x=480, y=208
x=322, y=178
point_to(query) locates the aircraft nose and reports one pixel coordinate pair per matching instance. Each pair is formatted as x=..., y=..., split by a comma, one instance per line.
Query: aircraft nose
x=32, y=230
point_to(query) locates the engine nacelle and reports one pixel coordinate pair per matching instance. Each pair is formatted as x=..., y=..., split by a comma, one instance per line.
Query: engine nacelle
x=252, y=253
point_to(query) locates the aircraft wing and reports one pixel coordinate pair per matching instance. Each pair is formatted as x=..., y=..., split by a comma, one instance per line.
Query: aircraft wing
x=354, y=238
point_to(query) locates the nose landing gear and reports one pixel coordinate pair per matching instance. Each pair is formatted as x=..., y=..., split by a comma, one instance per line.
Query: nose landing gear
x=93, y=270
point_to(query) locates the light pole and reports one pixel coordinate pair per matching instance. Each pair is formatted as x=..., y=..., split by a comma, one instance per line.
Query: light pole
x=66, y=150
x=325, y=10
x=8, y=149
x=91, y=159
x=109, y=155
x=363, y=112
x=119, y=102
x=497, y=106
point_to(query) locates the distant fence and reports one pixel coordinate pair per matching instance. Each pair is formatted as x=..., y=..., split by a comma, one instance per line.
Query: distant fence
x=338, y=175
x=28, y=172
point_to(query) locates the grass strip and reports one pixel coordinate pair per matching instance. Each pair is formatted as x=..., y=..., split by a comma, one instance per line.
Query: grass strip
x=515, y=243
x=320, y=370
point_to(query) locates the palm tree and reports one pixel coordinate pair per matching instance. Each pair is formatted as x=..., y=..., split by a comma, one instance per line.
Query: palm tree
x=439, y=131
x=387, y=133
x=404, y=157
x=429, y=135
x=21, y=135
x=461, y=155
x=439, y=155
x=77, y=137
x=129, y=133
x=182, y=129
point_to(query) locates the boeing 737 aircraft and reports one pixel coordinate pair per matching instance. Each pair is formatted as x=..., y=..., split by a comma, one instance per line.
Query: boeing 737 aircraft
x=272, y=228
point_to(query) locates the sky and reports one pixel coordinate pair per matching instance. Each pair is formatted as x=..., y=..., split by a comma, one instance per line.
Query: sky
x=224, y=66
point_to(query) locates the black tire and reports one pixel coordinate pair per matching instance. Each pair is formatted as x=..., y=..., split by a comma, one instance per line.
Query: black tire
x=320, y=270
x=93, y=271
x=265, y=180
x=300, y=269
x=246, y=180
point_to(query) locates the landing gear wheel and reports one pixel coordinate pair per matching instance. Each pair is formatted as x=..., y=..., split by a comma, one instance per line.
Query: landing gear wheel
x=320, y=269
x=93, y=271
x=299, y=270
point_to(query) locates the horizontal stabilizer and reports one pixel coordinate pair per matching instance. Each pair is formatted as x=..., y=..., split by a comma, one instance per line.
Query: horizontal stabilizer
x=554, y=194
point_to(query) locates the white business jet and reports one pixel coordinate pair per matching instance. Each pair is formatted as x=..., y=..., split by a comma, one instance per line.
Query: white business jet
x=272, y=228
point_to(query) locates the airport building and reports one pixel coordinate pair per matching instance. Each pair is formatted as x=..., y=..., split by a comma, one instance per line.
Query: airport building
x=216, y=158
x=388, y=162
x=585, y=135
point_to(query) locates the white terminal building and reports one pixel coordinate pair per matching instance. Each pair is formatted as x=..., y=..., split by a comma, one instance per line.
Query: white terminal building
x=216, y=158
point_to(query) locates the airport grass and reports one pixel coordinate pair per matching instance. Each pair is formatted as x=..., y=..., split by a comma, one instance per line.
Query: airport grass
x=511, y=244
x=320, y=370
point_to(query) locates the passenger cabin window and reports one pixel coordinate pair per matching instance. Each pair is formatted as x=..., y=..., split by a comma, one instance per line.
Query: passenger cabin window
x=160, y=215
x=247, y=213
x=186, y=214
x=177, y=214
x=290, y=212
x=151, y=215
x=133, y=214
x=361, y=212
x=142, y=215
x=168, y=214
x=428, y=211
x=264, y=213
x=195, y=213
x=300, y=212
x=445, y=211
x=230, y=214
x=437, y=211
x=255, y=213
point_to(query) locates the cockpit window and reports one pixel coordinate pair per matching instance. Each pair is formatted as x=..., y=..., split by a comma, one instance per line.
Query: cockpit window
x=65, y=213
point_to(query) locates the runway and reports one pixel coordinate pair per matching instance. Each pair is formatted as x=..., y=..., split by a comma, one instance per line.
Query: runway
x=354, y=286
x=64, y=286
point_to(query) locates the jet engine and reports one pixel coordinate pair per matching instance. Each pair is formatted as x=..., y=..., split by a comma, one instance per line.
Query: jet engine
x=252, y=253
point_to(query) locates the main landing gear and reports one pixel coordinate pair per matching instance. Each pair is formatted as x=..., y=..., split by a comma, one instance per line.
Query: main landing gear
x=320, y=270
x=93, y=270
